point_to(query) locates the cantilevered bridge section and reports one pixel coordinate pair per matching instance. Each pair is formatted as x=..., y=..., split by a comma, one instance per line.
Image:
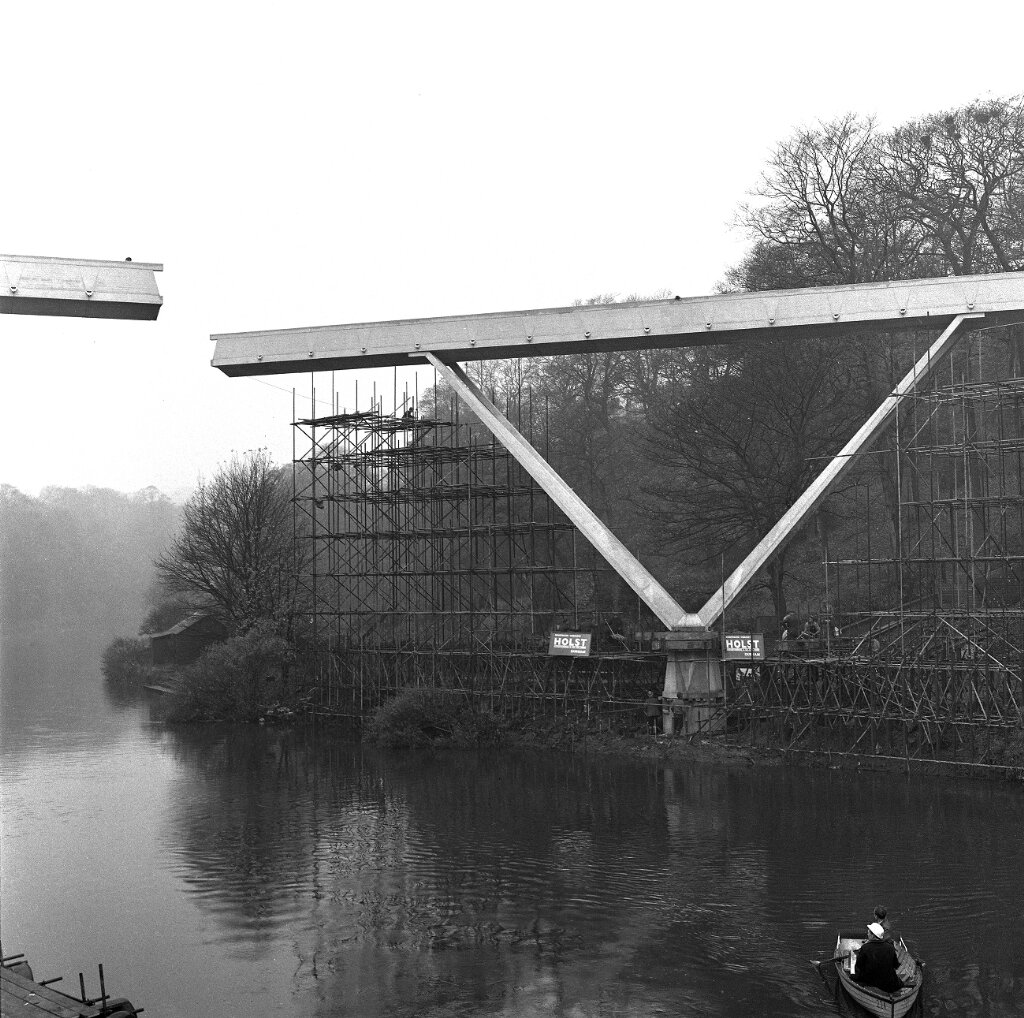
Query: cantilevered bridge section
x=634, y=325
x=950, y=306
x=79, y=287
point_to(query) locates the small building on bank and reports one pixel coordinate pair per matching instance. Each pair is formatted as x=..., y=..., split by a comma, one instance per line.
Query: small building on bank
x=184, y=642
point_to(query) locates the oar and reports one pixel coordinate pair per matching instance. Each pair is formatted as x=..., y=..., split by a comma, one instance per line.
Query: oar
x=817, y=968
x=817, y=963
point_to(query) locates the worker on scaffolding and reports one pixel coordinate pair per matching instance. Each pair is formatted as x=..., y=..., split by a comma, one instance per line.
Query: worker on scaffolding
x=790, y=628
x=652, y=712
x=809, y=634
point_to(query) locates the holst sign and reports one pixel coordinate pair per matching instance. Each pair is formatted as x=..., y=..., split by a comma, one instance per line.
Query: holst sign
x=571, y=644
x=743, y=647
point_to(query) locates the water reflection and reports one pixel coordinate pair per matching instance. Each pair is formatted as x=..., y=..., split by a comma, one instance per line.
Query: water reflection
x=252, y=871
x=514, y=884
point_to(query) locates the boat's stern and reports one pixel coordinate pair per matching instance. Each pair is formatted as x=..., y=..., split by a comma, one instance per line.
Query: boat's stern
x=847, y=946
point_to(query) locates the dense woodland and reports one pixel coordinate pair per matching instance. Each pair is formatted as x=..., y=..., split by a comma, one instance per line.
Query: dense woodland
x=690, y=456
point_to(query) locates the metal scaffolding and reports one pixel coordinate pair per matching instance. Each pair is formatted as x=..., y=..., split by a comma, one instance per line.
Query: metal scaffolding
x=961, y=714
x=922, y=652
x=437, y=560
x=938, y=562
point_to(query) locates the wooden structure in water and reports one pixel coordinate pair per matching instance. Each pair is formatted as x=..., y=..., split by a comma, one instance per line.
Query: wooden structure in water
x=21, y=995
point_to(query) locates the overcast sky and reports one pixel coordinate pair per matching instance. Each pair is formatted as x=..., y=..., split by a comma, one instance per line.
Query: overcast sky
x=309, y=164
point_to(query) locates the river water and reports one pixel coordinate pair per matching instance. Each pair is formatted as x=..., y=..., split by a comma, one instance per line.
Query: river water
x=251, y=871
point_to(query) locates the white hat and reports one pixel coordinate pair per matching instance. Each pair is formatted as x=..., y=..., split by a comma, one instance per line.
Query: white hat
x=876, y=929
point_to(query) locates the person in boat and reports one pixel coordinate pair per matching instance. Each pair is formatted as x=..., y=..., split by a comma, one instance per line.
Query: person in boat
x=877, y=961
x=880, y=918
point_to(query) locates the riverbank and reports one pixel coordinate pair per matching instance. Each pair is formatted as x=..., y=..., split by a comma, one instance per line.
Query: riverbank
x=722, y=752
x=438, y=719
x=255, y=679
x=729, y=750
x=709, y=750
x=574, y=738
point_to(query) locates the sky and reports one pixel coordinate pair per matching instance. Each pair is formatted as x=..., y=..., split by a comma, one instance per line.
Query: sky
x=319, y=163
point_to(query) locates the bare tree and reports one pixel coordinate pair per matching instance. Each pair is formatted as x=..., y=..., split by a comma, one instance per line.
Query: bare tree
x=743, y=442
x=821, y=217
x=847, y=203
x=958, y=176
x=235, y=555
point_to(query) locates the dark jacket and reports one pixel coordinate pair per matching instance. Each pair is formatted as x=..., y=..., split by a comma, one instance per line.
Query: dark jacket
x=877, y=963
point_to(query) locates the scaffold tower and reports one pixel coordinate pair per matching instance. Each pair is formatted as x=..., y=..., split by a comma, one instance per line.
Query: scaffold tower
x=922, y=653
x=937, y=571
x=434, y=554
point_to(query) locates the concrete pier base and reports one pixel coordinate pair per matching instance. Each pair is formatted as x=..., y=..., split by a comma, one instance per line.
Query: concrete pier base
x=693, y=691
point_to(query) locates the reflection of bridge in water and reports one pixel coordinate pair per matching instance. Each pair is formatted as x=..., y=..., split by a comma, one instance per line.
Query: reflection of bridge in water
x=445, y=557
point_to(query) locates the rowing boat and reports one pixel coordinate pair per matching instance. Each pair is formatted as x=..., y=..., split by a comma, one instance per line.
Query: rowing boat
x=873, y=1000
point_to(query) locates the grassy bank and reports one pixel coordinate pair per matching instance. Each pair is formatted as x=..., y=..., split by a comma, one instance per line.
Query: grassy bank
x=249, y=678
x=127, y=668
x=422, y=717
x=446, y=719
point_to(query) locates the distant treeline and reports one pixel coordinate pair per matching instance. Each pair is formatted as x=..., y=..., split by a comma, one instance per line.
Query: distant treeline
x=78, y=563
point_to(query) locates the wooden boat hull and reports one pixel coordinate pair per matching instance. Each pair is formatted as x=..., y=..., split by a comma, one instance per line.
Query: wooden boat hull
x=874, y=1001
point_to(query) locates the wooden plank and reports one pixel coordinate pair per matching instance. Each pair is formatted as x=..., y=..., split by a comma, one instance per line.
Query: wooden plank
x=20, y=996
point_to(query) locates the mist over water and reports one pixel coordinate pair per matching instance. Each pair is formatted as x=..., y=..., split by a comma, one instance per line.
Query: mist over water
x=255, y=871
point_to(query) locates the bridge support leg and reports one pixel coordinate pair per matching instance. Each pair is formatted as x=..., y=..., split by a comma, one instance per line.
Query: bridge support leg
x=615, y=553
x=693, y=690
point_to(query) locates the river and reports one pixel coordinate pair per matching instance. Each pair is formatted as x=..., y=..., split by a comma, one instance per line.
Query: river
x=230, y=871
